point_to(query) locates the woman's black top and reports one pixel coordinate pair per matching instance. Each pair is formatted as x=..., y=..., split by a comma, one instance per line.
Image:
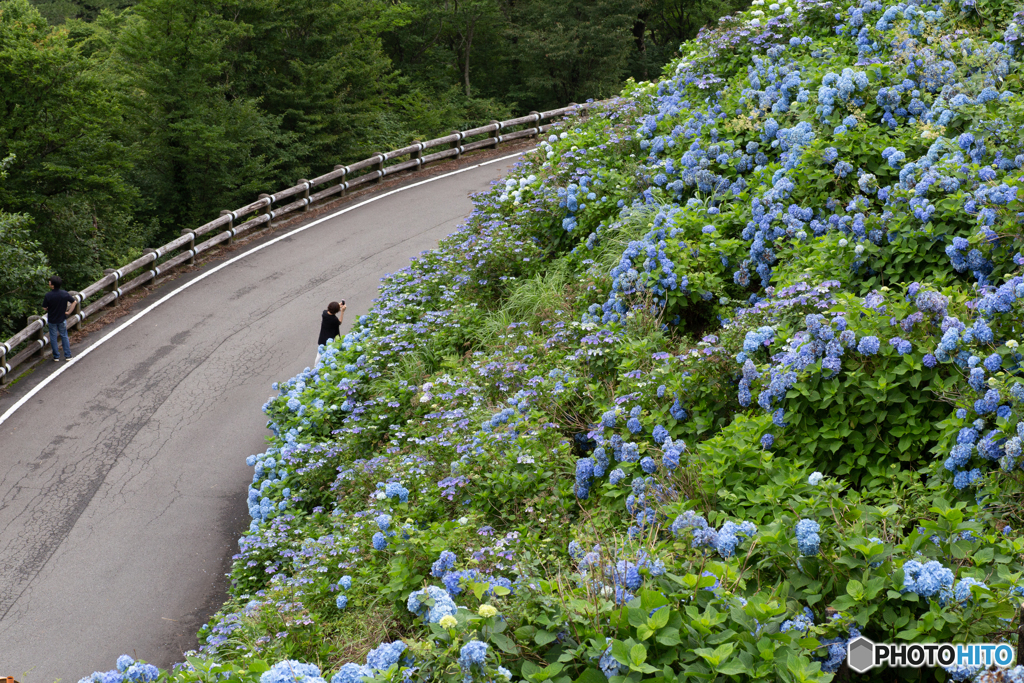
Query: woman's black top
x=330, y=328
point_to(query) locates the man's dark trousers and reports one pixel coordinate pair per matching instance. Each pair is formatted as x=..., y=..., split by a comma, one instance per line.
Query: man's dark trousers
x=61, y=329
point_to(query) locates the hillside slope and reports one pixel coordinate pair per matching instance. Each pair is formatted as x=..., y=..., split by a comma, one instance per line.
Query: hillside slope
x=723, y=376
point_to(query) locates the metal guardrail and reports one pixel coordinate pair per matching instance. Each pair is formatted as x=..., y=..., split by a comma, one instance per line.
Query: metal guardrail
x=33, y=339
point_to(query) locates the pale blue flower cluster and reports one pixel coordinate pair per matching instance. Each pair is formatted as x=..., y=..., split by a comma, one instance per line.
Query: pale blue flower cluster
x=443, y=604
x=928, y=580
x=443, y=563
x=292, y=671
x=127, y=670
x=378, y=660
x=473, y=654
x=345, y=583
x=724, y=540
x=807, y=538
x=395, y=490
x=609, y=665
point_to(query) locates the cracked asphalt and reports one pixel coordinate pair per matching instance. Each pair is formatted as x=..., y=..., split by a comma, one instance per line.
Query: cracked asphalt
x=123, y=481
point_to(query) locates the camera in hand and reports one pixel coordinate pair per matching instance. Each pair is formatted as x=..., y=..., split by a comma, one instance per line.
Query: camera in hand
x=342, y=302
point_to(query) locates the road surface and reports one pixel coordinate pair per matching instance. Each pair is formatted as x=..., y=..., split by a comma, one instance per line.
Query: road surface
x=123, y=480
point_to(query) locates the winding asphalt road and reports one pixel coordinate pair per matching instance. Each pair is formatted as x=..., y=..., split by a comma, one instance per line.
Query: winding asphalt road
x=123, y=479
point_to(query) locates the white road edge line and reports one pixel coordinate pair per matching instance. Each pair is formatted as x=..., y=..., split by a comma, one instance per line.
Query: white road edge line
x=36, y=389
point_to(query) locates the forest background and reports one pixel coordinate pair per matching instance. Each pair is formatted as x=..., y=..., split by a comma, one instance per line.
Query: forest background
x=124, y=122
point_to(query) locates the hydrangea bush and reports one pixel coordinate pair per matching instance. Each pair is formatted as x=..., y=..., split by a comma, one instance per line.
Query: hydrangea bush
x=720, y=377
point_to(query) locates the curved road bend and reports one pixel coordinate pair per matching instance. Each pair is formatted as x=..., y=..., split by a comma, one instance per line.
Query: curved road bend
x=123, y=481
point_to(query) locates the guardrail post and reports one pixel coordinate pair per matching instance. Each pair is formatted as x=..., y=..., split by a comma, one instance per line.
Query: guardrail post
x=305, y=195
x=231, y=223
x=457, y=144
x=39, y=335
x=191, y=245
x=341, y=179
x=263, y=211
x=152, y=266
x=113, y=285
x=379, y=166
x=496, y=133
x=416, y=154
x=77, y=310
x=6, y=377
x=536, y=124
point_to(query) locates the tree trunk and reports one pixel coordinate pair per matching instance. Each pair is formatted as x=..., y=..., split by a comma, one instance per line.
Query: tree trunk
x=639, y=35
x=465, y=62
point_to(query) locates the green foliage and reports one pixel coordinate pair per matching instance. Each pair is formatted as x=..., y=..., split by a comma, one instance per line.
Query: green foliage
x=207, y=145
x=59, y=11
x=68, y=170
x=23, y=267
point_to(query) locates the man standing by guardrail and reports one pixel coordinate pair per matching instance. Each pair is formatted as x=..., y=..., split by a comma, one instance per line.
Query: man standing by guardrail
x=59, y=305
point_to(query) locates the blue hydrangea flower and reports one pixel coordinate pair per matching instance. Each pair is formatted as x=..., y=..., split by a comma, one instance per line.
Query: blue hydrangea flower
x=801, y=622
x=443, y=604
x=609, y=665
x=962, y=591
x=584, y=475
x=673, y=451
x=396, y=490
x=868, y=345
x=444, y=563
x=473, y=653
x=385, y=656
x=352, y=673
x=660, y=434
x=927, y=580
x=807, y=539
x=993, y=363
x=147, y=673
x=728, y=537
x=291, y=671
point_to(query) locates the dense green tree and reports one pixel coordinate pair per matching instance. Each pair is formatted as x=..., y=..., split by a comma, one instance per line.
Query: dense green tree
x=320, y=67
x=60, y=122
x=567, y=52
x=58, y=11
x=317, y=68
x=207, y=146
x=451, y=41
x=23, y=267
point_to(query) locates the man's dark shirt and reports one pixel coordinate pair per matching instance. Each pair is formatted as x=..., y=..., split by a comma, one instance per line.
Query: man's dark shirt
x=330, y=328
x=56, y=302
